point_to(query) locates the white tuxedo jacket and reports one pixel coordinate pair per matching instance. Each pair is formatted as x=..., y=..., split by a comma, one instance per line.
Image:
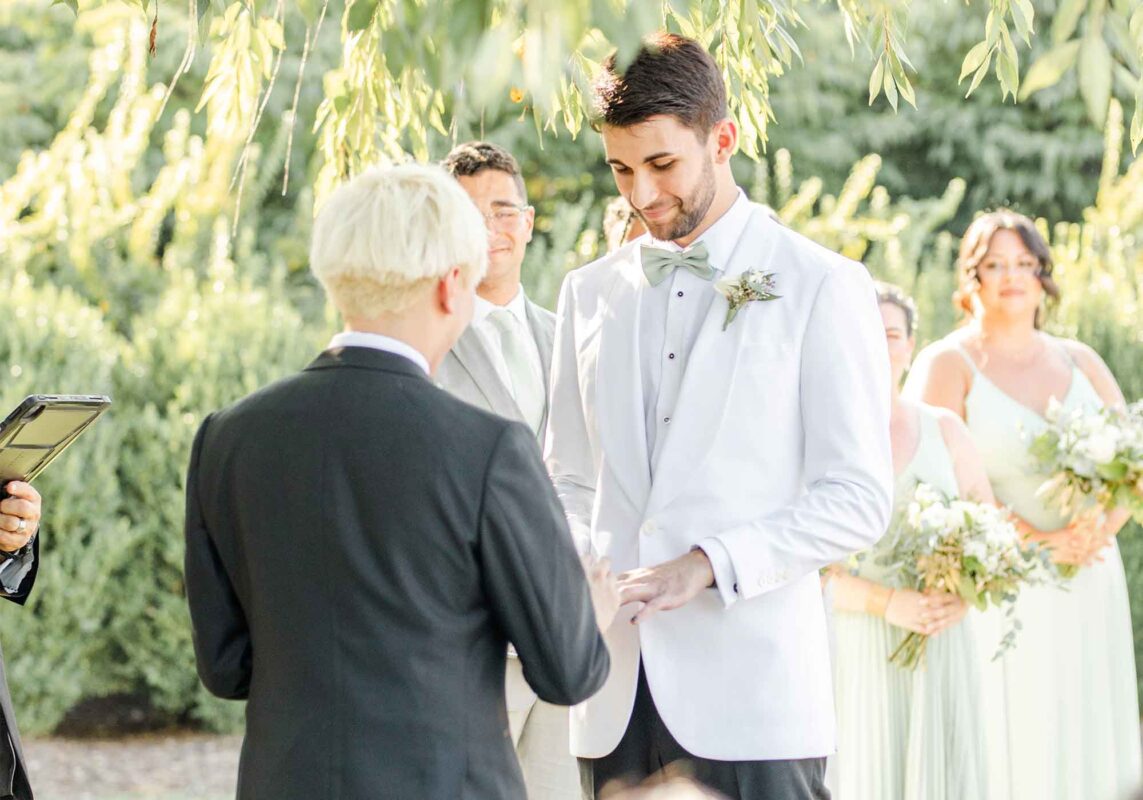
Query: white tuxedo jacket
x=778, y=447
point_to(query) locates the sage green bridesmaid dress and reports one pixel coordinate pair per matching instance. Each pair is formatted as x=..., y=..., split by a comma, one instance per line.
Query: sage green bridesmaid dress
x=1062, y=712
x=908, y=735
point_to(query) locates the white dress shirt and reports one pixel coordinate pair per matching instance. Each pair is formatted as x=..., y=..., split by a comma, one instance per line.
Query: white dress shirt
x=379, y=342
x=670, y=317
x=490, y=337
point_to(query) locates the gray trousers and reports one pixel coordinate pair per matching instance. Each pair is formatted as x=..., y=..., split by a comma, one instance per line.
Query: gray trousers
x=648, y=750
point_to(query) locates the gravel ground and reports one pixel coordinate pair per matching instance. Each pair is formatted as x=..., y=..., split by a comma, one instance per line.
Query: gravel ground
x=153, y=767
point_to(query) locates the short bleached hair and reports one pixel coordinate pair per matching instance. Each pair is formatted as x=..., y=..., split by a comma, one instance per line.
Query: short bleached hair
x=386, y=235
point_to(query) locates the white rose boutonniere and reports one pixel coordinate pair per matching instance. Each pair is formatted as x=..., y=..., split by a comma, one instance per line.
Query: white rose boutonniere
x=753, y=285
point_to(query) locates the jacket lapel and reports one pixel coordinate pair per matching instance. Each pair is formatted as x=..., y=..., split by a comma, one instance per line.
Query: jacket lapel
x=543, y=331
x=619, y=386
x=473, y=357
x=709, y=378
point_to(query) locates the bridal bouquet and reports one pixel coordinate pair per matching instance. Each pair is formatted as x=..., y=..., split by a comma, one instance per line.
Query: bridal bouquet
x=968, y=549
x=1094, y=459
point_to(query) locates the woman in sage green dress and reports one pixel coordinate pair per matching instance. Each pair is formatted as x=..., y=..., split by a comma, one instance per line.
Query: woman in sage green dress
x=1063, y=714
x=902, y=734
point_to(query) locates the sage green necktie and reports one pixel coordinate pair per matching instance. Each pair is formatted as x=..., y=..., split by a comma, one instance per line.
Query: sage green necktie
x=527, y=386
x=659, y=263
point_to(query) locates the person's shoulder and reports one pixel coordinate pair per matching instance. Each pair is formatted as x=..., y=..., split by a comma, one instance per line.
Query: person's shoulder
x=953, y=429
x=540, y=313
x=948, y=354
x=603, y=269
x=1082, y=355
x=258, y=401
x=808, y=254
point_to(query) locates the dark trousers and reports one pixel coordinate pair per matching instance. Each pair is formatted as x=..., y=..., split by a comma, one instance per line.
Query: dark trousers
x=648, y=749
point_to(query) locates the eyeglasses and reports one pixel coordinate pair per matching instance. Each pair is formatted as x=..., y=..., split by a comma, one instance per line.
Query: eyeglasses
x=1023, y=266
x=504, y=217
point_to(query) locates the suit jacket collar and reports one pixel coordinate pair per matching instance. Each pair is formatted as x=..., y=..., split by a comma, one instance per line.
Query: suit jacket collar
x=471, y=353
x=366, y=358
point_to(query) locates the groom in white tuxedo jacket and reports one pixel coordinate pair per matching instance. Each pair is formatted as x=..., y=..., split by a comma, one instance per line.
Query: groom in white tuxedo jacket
x=718, y=459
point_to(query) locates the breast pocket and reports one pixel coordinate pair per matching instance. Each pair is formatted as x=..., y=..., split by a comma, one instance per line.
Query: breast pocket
x=764, y=354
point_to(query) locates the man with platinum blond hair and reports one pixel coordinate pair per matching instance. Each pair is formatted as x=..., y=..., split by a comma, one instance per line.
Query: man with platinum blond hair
x=361, y=546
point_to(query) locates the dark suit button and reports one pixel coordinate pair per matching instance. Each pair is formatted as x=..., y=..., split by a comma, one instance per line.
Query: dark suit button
x=680, y=293
x=670, y=355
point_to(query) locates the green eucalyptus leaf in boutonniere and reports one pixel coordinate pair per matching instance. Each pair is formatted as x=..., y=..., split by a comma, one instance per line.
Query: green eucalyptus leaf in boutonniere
x=750, y=286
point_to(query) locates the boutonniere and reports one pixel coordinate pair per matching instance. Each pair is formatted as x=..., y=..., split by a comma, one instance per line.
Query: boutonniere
x=754, y=285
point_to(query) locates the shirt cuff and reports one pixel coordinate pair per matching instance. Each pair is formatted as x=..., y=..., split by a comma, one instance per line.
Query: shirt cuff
x=725, y=577
x=14, y=570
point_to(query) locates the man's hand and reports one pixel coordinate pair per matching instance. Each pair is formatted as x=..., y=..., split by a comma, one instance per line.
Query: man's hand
x=604, y=590
x=666, y=586
x=19, y=516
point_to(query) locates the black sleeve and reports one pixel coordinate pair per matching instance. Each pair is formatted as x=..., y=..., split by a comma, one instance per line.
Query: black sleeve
x=533, y=576
x=221, y=635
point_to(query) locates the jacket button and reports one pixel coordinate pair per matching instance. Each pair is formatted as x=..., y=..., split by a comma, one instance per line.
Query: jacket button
x=648, y=528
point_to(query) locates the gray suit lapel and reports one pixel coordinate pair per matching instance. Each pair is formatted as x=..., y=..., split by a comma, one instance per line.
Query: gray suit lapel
x=473, y=357
x=543, y=325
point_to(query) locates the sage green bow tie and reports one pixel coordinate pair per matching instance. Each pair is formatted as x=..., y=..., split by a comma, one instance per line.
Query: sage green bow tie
x=659, y=263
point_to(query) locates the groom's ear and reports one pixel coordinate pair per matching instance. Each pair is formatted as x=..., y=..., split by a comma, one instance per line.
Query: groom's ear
x=724, y=140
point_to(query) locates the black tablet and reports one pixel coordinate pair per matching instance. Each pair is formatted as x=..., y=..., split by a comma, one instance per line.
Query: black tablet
x=41, y=428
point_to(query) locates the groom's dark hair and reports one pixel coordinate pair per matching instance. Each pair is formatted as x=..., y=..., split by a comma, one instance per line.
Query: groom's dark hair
x=670, y=75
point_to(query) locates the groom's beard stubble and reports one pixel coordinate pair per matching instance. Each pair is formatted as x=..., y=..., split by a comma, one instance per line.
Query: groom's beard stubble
x=692, y=209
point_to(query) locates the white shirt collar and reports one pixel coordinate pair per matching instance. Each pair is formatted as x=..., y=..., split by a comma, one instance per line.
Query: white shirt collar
x=516, y=305
x=379, y=342
x=721, y=237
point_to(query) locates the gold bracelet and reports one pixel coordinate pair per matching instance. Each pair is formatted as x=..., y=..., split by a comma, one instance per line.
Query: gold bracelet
x=878, y=600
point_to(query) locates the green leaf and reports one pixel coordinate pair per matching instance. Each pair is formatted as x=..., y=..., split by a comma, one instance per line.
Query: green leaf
x=976, y=56
x=72, y=4
x=876, y=79
x=1115, y=471
x=1024, y=15
x=1008, y=65
x=890, y=89
x=1095, y=77
x=1049, y=68
x=902, y=80
x=360, y=15
x=1066, y=19
x=978, y=77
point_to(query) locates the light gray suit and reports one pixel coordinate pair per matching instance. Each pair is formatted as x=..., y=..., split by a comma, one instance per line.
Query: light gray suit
x=539, y=730
x=467, y=370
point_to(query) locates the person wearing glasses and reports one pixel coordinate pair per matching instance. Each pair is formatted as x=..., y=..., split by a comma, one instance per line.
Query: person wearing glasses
x=1062, y=708
x=501, y=363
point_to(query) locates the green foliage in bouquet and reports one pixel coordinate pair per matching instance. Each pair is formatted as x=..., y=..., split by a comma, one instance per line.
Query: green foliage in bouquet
x=971, y=550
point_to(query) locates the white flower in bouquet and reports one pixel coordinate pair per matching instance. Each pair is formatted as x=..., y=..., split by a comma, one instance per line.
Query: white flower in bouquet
x=963, y=548
x=1092, y=459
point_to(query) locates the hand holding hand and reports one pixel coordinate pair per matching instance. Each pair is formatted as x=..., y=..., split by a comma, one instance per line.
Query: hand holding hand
x=604, y=590
x=927, y=614
x=1074, y=544
x=665, y=586
x=19, y=516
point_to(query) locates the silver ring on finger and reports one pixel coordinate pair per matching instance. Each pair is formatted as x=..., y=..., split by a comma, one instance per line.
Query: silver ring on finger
x=22, y=525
